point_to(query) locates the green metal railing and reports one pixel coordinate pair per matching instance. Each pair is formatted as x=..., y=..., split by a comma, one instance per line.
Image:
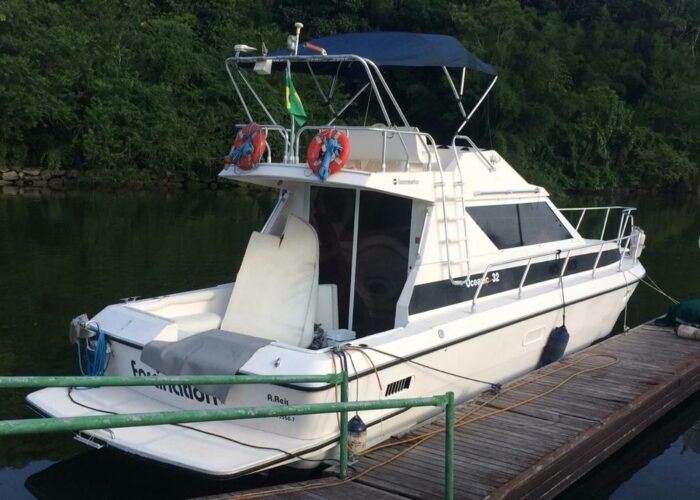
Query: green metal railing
x=39, y=425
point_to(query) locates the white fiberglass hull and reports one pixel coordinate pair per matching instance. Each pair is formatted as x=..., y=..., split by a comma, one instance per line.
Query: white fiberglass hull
x=503, y=339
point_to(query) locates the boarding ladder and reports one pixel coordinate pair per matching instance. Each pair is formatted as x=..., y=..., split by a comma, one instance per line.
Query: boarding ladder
x=452, y=215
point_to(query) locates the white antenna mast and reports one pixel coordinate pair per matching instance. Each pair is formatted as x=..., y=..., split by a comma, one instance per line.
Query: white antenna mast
x=298, y=27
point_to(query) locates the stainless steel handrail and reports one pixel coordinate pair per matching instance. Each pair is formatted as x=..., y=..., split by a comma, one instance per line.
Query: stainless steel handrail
x=625, y=214
x=384, y=131
x=474, y=147
x=279, y=128
x=365, y=63
x=530, y=258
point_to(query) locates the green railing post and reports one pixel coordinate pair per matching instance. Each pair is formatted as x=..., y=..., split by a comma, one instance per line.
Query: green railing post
x=107, y=421
x=132, y=381
x=344, y=391
x=450, y=446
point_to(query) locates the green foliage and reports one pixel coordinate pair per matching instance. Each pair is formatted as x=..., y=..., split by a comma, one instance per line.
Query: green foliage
x=592, y=95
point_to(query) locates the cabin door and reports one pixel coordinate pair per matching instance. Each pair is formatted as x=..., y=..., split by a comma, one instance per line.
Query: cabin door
x=332, y=214
x=381, y=223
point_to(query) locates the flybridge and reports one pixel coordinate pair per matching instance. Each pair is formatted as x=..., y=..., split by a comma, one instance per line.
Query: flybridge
x=359, y=56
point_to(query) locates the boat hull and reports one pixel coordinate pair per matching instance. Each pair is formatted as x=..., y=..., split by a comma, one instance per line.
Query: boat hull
x=448, y=351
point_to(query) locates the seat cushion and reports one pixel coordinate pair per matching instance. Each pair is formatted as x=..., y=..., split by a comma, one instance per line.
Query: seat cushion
x=215, y=352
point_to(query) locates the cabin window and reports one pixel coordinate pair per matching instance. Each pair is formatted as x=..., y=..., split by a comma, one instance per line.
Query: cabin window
x=383, y=236
x=519, y=224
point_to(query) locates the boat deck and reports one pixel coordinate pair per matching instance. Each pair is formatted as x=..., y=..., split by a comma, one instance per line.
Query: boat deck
x=540, y=434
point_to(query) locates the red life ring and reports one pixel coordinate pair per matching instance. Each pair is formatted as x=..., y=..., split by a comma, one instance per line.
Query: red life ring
x=248, y=147
x=314, y=153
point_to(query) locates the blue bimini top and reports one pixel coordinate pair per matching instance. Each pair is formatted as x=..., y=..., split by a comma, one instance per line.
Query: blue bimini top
x=399, y=49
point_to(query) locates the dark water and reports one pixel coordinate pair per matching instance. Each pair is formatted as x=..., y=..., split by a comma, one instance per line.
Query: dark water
x=64, y=255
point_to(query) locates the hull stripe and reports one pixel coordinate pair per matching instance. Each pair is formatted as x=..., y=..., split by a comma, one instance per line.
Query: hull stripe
x=429, y=296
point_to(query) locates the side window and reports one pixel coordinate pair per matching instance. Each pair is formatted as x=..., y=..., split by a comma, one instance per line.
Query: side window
x=500, y=223
x=520, y=224
x=539, y=224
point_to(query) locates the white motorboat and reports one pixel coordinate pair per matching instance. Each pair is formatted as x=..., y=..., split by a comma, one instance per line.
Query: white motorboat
x=427, y=268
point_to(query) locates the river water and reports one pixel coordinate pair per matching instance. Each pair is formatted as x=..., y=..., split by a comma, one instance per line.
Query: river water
x=62, y=255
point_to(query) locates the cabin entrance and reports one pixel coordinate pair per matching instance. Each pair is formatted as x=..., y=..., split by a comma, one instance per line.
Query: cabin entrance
x=370, y=273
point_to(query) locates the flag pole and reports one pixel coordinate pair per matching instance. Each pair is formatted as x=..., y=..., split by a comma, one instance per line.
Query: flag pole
x=298, y=26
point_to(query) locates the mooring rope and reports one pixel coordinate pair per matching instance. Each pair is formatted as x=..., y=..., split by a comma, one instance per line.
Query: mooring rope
x=654, y=286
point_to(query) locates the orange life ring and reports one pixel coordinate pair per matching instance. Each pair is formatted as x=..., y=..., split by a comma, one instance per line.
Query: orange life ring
x=316, y=151
x=248, y=147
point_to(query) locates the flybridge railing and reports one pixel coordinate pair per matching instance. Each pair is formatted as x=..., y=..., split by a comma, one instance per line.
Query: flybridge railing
x=427, y=142
x=277, y=128
x=375, y=82
x=374, y=77
x=489, y=166
x=106, y=421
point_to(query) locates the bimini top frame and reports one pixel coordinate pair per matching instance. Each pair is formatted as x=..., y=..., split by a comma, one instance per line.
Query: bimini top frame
x=360, y=54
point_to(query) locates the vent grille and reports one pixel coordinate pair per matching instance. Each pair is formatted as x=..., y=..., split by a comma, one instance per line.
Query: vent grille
x=398, y=386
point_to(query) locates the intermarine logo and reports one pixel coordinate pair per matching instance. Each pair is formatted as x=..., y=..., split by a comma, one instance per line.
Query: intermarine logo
x=405, y=182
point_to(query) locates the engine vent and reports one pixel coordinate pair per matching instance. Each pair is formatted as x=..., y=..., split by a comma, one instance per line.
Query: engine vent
x=398, y=386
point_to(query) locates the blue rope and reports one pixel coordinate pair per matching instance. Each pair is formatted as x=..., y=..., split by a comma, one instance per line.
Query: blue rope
x=96, y=358
x=246, y=149
x=333, y=149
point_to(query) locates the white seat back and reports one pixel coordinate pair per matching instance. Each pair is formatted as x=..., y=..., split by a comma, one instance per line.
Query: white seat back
x=275, y=294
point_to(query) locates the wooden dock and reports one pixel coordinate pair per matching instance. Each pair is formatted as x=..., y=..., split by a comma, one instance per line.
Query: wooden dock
x=540, y=434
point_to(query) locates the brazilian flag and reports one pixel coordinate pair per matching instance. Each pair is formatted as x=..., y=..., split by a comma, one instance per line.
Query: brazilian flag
x=294, y=105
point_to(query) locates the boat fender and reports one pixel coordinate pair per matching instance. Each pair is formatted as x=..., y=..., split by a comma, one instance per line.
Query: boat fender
x=357, y=435
x=328, y=152
x=248, y=147
x=688, y=332
x=555, y=346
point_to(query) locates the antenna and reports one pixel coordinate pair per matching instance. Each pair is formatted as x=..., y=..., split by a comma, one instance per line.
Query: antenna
x=263, y=47
x=298, y=27
x=239, y=47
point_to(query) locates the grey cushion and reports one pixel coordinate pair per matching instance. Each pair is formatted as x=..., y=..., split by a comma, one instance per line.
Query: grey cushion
x=214, y=352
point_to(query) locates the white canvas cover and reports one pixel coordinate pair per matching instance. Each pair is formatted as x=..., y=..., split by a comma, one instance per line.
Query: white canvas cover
x=276, y=289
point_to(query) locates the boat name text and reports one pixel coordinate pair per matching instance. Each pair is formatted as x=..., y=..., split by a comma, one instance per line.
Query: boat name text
x=183, y=391
x=494, y=278
x=279, y=400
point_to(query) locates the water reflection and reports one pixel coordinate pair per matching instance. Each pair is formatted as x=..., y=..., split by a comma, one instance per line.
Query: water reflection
x=691, y=439
x=107, y=474
x=654, y=465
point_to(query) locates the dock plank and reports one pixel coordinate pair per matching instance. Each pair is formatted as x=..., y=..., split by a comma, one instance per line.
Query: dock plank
x=539, y=448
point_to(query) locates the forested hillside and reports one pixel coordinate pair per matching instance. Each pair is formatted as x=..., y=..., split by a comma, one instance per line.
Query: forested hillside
x=592, y=94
